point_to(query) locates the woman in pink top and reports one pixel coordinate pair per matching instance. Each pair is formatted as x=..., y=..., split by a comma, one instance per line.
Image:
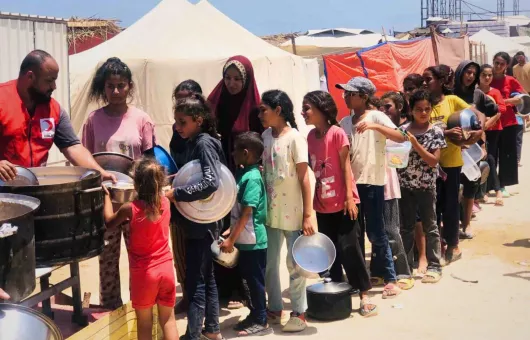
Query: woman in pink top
x=336, y=198
x=150, y=259
x=116, y=127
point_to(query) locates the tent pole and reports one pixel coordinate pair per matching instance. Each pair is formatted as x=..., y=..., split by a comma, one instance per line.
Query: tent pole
x=434, y=47
x=293, y=42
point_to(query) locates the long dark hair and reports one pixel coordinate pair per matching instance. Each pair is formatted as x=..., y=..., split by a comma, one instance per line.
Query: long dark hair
x=149, y=179
x=113, y=66
x=324, y=102
x=278, y=98
x=442, y=74
x=196, y=106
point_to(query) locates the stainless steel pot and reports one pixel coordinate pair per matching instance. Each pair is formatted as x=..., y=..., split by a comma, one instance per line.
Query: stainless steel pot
x=17, y=251
x=228, y=260
x=23, y=323
x=313, y=255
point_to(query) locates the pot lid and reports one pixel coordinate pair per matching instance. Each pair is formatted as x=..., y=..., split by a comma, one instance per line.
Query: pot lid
x=213, y=208
x=23, y=323
x=329, y=287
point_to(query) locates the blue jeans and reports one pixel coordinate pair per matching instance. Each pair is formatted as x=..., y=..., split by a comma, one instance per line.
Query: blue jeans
x=252, y=265
x=371, y=214
x=201, y=288
x=297, y=282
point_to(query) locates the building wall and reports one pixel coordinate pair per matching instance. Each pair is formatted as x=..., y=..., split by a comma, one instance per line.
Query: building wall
x=19, y=35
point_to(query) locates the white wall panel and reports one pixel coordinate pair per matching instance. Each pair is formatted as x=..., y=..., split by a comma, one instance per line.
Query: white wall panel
x=19, y=35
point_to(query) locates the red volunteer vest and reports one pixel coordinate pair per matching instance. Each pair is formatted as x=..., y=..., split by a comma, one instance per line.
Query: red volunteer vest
x=25, y=140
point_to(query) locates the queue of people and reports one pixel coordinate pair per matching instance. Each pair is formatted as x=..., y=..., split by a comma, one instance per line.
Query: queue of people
x=412, y=216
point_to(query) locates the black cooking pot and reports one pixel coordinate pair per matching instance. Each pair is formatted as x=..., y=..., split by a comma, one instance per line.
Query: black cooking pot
x=17, y=251
x=69, y=225
x=329, y=300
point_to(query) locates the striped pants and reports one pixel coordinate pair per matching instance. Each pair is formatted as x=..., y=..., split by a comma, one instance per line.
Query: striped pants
x=109, y=267
x=178, y=240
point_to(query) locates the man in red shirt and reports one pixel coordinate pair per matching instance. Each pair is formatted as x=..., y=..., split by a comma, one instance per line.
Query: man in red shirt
x=31, y=121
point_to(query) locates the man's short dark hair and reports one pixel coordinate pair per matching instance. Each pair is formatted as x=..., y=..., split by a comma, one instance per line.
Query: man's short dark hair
x=519, y=53
x=252, y=142
x=33, y=61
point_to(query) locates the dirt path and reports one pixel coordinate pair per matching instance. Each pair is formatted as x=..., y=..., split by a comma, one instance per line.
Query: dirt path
x=496, y=307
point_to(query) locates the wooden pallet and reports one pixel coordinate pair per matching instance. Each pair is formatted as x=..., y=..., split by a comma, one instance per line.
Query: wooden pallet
x=117, y=325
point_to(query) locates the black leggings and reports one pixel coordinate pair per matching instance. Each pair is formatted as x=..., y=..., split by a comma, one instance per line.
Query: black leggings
x=345, y=235
x=508, y=168
x=447, y=205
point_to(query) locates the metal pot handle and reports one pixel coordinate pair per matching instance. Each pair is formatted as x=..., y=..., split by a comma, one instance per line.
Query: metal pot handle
x=87, y=191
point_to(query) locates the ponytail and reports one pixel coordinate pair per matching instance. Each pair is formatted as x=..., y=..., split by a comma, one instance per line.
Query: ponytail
x=278, y=98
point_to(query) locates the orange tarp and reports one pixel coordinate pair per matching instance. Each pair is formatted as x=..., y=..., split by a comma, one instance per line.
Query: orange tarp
x=386, y=65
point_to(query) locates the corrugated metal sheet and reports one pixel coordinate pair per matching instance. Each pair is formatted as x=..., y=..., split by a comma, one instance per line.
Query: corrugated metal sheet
x=19, y=35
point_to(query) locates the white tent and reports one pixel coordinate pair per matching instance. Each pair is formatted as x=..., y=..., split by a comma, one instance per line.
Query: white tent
x=522, y=40
x=177, y=41
x=314, y=45
x=495, y=43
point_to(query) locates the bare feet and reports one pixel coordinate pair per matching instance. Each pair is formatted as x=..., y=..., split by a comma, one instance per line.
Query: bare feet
x=422, y=265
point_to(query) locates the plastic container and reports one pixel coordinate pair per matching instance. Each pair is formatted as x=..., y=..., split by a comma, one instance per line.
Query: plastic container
x=397, y=154
x=475, y=152
x=470, y=167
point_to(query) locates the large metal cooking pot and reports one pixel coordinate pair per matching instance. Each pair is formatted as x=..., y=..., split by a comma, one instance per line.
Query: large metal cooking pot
x=17, y=252
x=313, y=255
x=329, y=300
x=69, y=225
x=23, y=323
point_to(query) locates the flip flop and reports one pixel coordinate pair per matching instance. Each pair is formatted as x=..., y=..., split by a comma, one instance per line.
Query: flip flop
x=391, y=291
x=235, y=305
x=406, y=284
x=499, y=202
x=431, y=277
x=371, y=312
x=377, y=281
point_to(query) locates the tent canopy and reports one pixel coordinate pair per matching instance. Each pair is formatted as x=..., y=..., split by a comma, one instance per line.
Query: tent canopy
x=495, y=43
x=176, y=41
x=386, y=65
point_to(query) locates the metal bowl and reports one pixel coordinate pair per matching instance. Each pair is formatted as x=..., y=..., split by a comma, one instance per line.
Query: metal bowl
x=23, y=323
x=123, y=190
x=313, y=255
x=24, y=177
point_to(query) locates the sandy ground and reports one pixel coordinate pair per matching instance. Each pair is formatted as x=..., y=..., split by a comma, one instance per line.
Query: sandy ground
x=496, y=307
